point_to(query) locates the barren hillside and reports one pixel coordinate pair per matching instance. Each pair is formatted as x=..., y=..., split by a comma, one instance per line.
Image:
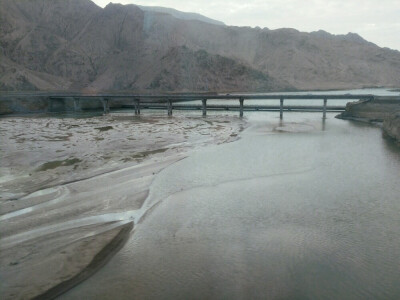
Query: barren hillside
x=74, y=44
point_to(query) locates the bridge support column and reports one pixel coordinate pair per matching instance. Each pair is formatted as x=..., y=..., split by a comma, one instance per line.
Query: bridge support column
x=324, y=109
x=137, y=107
x=77, y=104
x=281, y=108
x=50, y=105
x=106, y=105
x=241, y=100
x=169, y=107
x=204, y=102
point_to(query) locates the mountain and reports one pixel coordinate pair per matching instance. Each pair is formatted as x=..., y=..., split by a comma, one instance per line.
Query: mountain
x=179, y=14
x=74, y=44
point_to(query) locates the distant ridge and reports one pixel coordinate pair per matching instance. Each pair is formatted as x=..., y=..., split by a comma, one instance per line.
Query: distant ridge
x=75, y=44
x=181, y=15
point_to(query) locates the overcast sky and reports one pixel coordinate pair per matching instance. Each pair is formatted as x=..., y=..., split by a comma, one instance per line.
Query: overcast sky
x=377, y=21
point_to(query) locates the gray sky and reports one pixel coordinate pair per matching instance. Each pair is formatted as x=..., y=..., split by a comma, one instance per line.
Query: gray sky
x=377, y=21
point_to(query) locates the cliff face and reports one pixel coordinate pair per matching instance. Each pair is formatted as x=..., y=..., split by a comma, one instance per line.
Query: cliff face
x=74, y=44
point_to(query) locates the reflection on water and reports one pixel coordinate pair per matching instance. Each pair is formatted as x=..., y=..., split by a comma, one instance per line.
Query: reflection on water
x=287, y=214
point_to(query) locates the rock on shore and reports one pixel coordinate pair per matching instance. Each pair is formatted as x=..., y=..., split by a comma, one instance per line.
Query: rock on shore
x=391, y=127
x=376, y=110
x=380, y=109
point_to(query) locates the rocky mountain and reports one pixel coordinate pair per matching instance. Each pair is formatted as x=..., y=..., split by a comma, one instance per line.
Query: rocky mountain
x=180, y=15
x=74, y=45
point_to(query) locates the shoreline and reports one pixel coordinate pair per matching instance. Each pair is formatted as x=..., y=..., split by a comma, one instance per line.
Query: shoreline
x=385, y=114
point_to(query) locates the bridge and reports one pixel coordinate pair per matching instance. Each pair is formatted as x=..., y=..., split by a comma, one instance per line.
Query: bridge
x=171, y=102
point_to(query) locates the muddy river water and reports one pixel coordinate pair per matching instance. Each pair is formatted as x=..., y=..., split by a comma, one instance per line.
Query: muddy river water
x=295, y=209
x=298, y=208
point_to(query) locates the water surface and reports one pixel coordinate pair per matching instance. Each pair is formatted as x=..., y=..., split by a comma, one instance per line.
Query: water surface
x=296, y=209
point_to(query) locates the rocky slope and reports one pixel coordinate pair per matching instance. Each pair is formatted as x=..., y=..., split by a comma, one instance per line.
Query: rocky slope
x=74, y=44
x=180, y=15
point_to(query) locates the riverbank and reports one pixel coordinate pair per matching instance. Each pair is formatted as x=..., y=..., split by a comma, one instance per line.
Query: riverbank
x=382, y=112
x=71, y=187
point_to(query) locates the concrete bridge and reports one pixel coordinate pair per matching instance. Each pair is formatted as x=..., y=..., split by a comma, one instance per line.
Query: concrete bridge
x=171, y=102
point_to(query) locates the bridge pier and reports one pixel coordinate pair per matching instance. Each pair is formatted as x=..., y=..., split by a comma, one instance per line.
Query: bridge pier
x=77, y=104
x=169, y=107
x=281, y=109
x=204, y=103
x=106, y=105
x=50, y=105
x=137, y=106
x=324, y=109
x=241, y=100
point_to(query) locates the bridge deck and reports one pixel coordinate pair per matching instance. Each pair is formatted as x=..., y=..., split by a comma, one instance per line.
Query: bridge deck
x=168, y=101
x=237, y=107
x=182, y=97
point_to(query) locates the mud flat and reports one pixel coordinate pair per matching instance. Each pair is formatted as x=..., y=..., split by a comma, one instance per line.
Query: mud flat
x=73, y=188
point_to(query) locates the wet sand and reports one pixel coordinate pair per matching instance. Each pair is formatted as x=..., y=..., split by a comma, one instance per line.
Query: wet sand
x=72, y=187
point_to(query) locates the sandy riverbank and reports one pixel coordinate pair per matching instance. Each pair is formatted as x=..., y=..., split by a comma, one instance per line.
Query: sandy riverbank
x=71, y=187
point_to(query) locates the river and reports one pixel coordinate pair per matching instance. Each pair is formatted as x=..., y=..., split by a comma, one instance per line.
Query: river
x=298, y=208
